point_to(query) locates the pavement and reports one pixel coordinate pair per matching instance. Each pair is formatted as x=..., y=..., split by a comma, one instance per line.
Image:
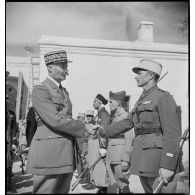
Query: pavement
x=24, y=183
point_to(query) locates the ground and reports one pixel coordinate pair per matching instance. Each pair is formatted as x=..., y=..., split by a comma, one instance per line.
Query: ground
x=23, y=183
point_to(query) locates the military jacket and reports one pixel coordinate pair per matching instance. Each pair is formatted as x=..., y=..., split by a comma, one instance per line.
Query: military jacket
x=51, y=150
x=119, y=147
x=155, y=108
x=102, y=118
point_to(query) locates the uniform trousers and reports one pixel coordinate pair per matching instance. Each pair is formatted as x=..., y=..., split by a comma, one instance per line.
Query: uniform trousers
x=120, y=177
x=52, y=184
x=150, y=183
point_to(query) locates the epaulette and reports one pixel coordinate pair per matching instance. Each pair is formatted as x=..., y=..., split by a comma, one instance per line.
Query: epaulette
x=164, y=93
x=163, y=90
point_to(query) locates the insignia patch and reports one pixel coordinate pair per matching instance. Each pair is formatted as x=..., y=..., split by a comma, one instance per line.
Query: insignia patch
x=169, y=154
x=147, y=102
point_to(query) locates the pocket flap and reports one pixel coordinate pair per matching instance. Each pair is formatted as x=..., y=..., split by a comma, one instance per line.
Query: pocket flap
x=146, y=107
x=152, y=143
x=58, y=101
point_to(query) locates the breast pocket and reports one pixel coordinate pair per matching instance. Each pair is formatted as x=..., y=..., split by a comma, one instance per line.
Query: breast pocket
x=59, y=102
x=52, y=152
x=146, y=113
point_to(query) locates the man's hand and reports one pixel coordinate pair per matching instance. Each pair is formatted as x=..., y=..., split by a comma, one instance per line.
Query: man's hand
x=124, y=166
x=165, y=174
x=89, y=129
x=102, y=152
x=100, y=129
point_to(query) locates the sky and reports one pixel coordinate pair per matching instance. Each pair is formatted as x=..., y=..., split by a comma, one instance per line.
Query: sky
x=26, y=22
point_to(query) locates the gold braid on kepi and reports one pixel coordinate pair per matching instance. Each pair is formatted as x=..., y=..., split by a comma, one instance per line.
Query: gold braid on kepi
x=55, y=57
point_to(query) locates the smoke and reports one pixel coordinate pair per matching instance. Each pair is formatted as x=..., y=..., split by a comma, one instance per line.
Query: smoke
x=27, y=21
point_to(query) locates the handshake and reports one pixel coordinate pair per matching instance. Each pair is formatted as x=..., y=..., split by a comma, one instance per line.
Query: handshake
x=92, y=129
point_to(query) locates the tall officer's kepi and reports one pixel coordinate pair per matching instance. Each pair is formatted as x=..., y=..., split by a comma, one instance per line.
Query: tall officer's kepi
x=56, y=57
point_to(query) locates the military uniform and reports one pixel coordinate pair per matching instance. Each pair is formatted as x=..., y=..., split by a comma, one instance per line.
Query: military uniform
x=157, y=134
x=51, y=156
x=119, y=148
x=99, y=174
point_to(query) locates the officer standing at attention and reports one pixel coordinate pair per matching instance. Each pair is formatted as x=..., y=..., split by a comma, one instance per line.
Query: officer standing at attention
x=51, y=154
x=157, y=130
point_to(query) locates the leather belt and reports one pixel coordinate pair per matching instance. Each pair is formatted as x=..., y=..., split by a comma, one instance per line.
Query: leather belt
x=147, y=130
x=118, y=136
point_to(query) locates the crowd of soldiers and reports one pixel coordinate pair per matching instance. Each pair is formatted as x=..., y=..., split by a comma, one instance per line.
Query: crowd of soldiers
x=113, y=146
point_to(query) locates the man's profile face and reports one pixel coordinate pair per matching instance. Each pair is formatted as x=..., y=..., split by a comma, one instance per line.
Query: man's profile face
x=113, y=105
x=96, y=104
x=142, y=78
x=58, y=72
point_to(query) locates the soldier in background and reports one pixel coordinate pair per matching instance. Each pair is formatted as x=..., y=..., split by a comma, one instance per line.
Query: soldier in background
x=97, y=146
x=80, y=140
x=89, y=119
x=120, y=146
x=80, y=117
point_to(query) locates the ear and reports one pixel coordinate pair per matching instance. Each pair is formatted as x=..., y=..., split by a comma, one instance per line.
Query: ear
x=151, y=75
x=49, y=68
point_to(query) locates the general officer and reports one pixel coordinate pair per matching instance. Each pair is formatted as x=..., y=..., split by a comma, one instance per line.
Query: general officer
x=157, y=129
x=51, y=155
x=120, y=146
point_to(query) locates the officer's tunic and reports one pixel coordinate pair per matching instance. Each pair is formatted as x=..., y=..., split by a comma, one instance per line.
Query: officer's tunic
x=154, y=111
x=119, y=149
x=51, y=150
x=98, y=174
